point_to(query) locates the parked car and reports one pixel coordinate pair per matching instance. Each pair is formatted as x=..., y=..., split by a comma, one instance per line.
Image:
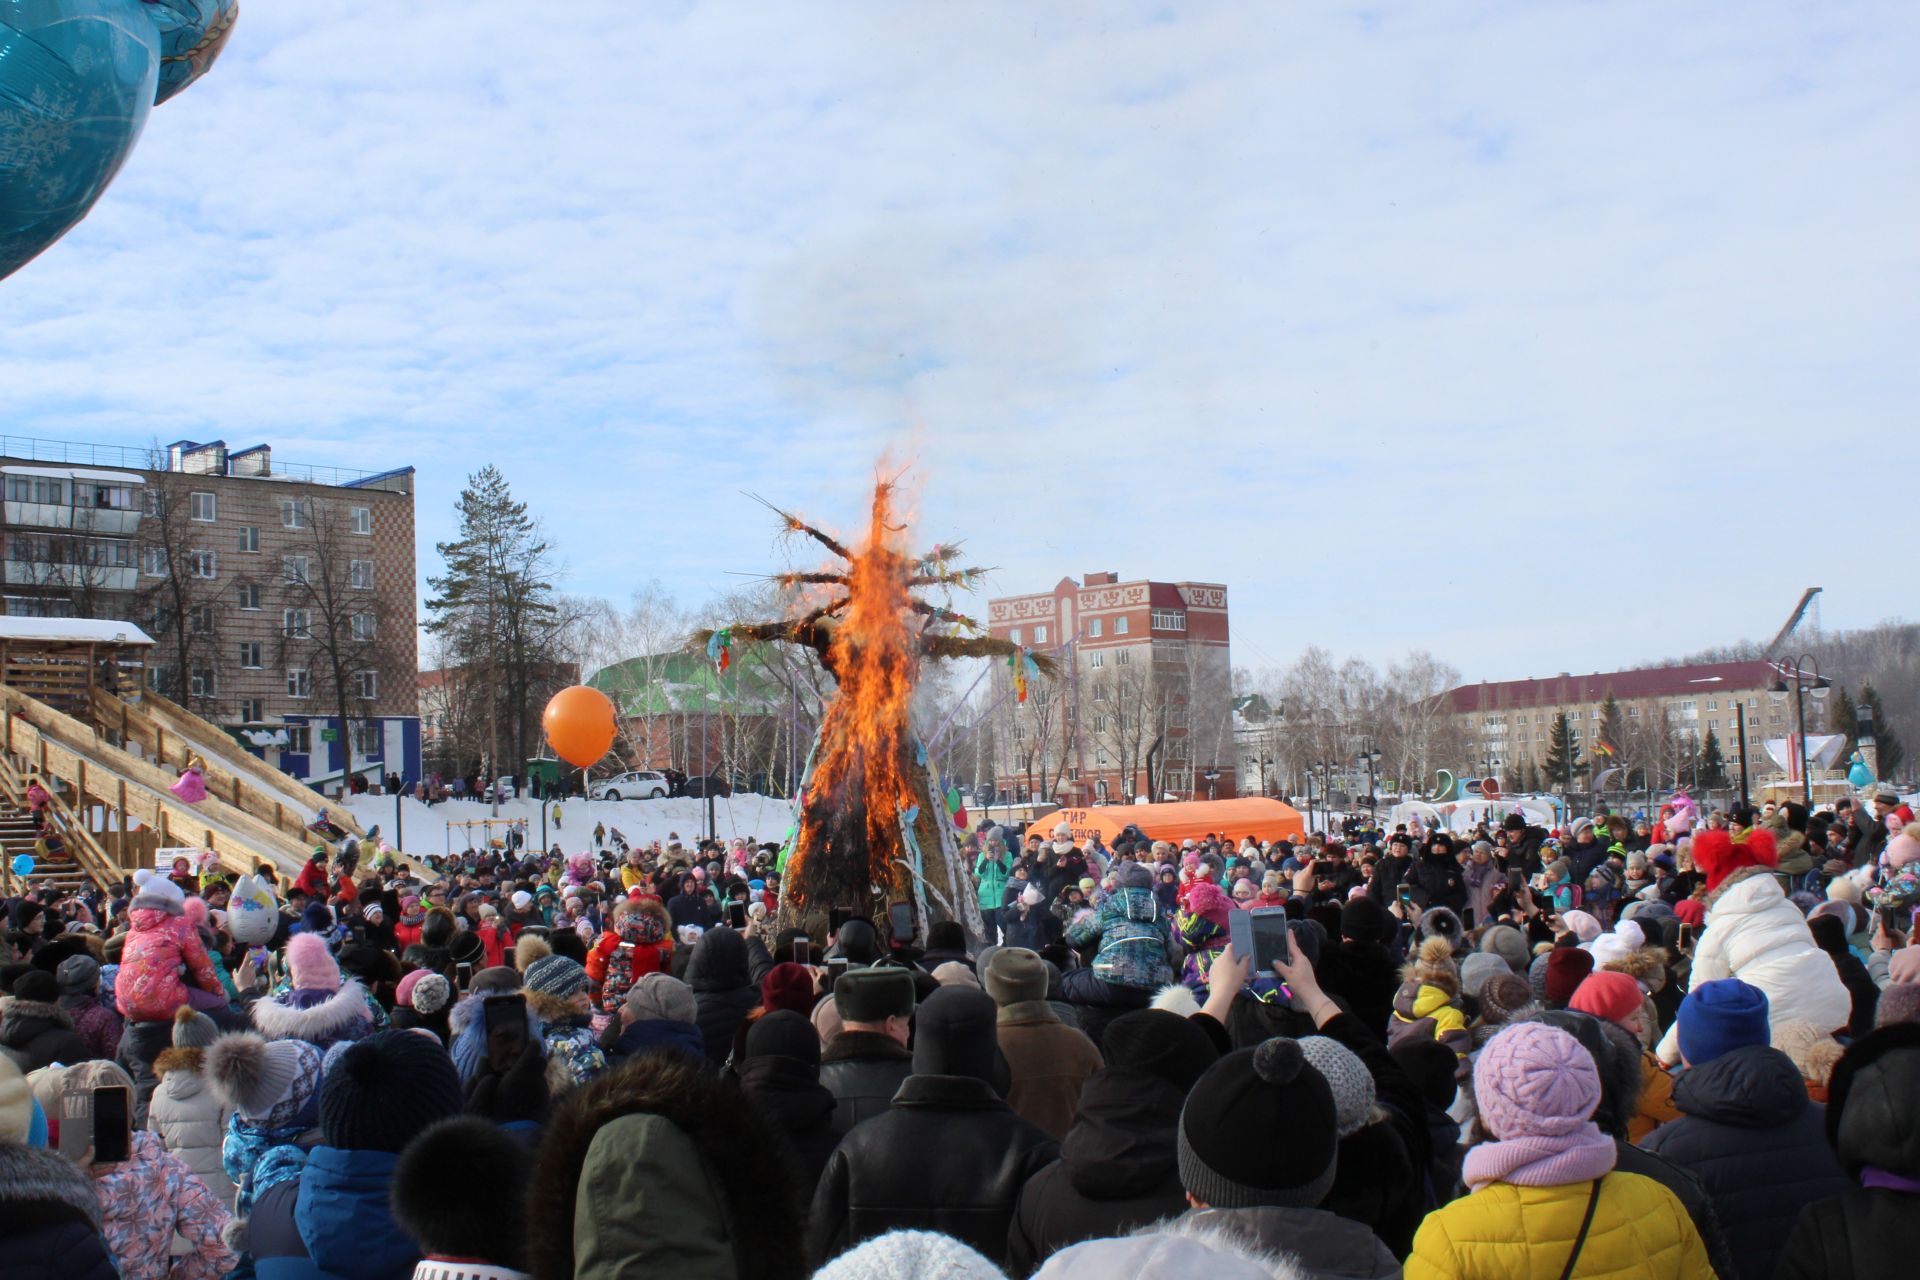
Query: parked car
x=635, y=784
x=701, y=787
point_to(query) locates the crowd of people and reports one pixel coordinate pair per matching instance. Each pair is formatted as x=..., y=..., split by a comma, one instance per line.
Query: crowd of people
x=1678, y=1047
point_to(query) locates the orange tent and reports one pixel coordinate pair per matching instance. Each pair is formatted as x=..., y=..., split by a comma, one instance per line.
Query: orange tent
x=1249, y=816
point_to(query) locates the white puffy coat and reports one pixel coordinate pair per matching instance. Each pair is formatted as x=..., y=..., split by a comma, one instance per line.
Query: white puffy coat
x=1754, y=934
x=190, y=1119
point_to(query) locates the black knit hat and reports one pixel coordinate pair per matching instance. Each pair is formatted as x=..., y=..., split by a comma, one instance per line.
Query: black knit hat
x=460, y=1191
x=1270, y=1090
x=1161, y=1044
x=956, y=1033
x=784, y=1034
x=1364, y=920
x=385, y=1089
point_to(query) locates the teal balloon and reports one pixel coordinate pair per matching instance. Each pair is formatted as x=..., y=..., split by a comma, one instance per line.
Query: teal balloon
x=23, y=864
x=77, y=79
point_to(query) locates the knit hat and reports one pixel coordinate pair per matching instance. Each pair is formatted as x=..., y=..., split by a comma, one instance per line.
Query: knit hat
x=556, y=976
x=953, y=973
x=1133, y=875
x=1161, y=1044
x=1508, y=943
x=1503, y=997
x=521, y=900
x=1364, y=920
x=784, y=1034
x=788, y=986
x=1566, y=969
x=1608, y=994
x=1690, y=911
x=1032, y=896
x=1347, y=1077
x=385, y=1089
x=430, y=994
x=151, y=889
x=1206, y=900
x=873, y=995
x=1719, y=855
x=1583, y=925
x=77, y=975
x=310, y=964
x=910, y=1255
x=1272, y=1090
x=1015, y=974
x=658, y=997
x=192, y=1029
x=1718, y=1017
x=1532, y=1080
x=1480, y=968
x=269, y=1084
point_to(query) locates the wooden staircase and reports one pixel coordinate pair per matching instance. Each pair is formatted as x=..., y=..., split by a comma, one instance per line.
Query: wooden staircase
x=62, y=870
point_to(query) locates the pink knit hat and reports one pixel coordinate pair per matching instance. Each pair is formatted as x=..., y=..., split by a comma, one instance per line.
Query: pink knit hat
x=403, y=994
x=1207, y=901
x=1533, y=1080
x=311, y=964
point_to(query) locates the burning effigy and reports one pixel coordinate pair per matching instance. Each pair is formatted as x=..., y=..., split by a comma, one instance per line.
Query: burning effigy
x=872, y=825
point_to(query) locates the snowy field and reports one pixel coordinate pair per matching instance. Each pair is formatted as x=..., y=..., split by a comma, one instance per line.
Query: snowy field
x=424, y=830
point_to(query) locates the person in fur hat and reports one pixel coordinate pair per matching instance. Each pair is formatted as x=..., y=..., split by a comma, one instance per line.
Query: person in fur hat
x=1428, y=1002
x=472, y=1226
x=1756, y=935
x=638, y=943
x=318, y=1006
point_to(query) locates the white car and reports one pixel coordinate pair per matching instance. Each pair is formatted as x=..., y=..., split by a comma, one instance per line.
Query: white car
x=638, y=784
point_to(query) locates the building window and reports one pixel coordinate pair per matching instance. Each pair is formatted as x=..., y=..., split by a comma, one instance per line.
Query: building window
x=1099, y=724
x=203, y=682
x=1169, y=620
x=1014, y=635
x=1099, y=690
x=1687, y=705
x=361, y=519
x=1713, y=704
x=249, y=594
x=365, y=736
x=1100, y=756
x=360, y=575
x=292, y=514
x=206, y=564
x=250, y=710
x=1093, y=627
x=296, y=624
x=1633, y=713
x=1119, y=626
x=299, y=682
x=1125, y=657
x=1712, y=724
x=250, y=537
x=293, y=568
x=1097, y=660
x=200, y=619
x=202, y=507
x=363, y=626
x=158, y=679
x=153, y=562
x=366, y=685
x=299, y=739
x=250, y=655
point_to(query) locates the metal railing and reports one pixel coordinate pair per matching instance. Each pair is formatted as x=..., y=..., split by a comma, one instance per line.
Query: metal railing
x=75, y=453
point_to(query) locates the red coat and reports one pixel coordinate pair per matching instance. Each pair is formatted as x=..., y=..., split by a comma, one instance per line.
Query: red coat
x=495, y=938
x=312, y=880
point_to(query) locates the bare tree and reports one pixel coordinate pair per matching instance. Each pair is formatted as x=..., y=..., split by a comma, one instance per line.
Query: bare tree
x=178, y=596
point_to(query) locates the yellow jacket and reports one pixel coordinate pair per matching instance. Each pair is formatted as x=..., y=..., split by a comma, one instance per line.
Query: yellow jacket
x=1508, y=1232
x=631, y=875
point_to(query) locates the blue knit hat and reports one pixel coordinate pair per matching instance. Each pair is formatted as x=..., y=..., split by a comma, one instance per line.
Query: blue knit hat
x=1718, y=1017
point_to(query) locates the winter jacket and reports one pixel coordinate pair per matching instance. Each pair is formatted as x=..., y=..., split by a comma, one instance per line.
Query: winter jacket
x=321, y=1018
x=614, y=967
x=570, y=1043
x=1133, y=940
x=1692, y=1196
x=1526, y=1233
x=788, y=1095
x=862, y=1070
x=37, y=1035
x=191, y=1120
x=1118, y=1170
x=1362, y=976
x=1320, y=1244
x=1438, y=882
x=1034, y=928
x=1204, y=939
x=724, y=991
x=148, y=1200
x=98, y=1023
x=992, y=873
x=653, y=1035
x=1754, y=934
x=1048, y=1062
x=949, y=1156
x=337, y=1225
x=148, y=987
x=1427, y=1012
x=1751, y=1136
x=49, y=1218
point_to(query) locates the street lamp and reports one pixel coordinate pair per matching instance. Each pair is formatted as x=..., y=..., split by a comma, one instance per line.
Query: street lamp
x=1266, y=776
x=1309, y=795
x=1371, y=754
x=1803, y=667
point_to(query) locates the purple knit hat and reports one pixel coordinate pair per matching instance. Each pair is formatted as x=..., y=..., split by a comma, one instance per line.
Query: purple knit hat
x=1533, y=1080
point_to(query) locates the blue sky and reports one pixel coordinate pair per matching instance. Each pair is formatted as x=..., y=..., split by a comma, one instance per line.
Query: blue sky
x=1383, y=316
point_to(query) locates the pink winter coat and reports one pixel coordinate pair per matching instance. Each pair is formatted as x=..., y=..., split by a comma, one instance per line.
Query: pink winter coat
x=149, y=987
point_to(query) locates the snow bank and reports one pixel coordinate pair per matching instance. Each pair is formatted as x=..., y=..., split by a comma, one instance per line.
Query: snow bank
x=423, y=829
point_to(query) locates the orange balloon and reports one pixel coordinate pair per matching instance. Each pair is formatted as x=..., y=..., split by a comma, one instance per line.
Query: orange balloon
x=579, y=725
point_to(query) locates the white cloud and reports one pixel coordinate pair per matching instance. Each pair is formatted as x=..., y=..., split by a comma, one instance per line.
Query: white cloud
x=1386, y=320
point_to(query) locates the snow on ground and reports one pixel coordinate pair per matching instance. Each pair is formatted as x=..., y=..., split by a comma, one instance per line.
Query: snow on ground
x=424, y=830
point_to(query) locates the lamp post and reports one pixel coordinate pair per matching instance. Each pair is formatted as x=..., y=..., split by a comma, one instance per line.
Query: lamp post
x=1371, y=754
x=1740, y=727
x=1309, y=796
x=1803, y=667
x=1266, y=776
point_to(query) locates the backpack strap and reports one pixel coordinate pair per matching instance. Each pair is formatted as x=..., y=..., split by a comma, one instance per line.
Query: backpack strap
x=1586, y=1225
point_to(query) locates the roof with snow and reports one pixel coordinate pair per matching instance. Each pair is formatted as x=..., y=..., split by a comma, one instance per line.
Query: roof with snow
x=72, y=631
x=1647, y=682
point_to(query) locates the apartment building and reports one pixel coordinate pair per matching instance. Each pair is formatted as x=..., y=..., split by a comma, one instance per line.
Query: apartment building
x=1143, y=706
x=275, y=592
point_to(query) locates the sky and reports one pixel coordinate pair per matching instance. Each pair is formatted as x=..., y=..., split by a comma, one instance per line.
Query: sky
x=1543, y=336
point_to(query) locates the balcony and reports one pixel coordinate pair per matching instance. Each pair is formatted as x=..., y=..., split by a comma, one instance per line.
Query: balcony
x=32, y=573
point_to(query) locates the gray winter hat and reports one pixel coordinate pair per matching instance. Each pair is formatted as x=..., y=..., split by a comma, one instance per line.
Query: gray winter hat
x=193, y=1029
x=77, y=975
x=662, y=998
x=1478, y=969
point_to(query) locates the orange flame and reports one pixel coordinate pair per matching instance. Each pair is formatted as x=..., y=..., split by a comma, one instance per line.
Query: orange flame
x=860, y=785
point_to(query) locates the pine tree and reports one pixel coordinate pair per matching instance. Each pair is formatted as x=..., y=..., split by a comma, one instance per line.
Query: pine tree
x=1712, y=763
x=1843, y=719
x=1610, y=738
x=1886, y=743
x=1563, y=753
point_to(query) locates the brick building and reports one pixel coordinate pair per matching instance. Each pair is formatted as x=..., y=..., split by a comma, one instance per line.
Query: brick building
x=1142, y=706
x=273, y=592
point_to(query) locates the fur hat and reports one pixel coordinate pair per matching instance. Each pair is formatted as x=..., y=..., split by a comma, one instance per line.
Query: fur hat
x=459, y=1191
x=1206, y=900
x=1442, y=922
x=268, y=1083
x=1719, y=855
x=310, y=963
x=1014, y=975
x=430, y=994
x=910, y=1255
x=1433, y=966
x=155, y=891
x=529, y=948
x=873, y=995
x=1814, y=1052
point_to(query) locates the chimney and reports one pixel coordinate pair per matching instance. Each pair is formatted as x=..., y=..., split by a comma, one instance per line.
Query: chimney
x=1102, y=579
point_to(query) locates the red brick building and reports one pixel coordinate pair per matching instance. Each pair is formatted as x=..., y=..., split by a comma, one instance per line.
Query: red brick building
x=1142, y=704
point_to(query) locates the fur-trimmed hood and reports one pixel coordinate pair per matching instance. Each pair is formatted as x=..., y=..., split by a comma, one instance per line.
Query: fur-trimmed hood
x=35, y=1175
x=743, y=1164
x=1316, y=1241
x=191, y=1061
x=1646, y=965
x=333, y=1018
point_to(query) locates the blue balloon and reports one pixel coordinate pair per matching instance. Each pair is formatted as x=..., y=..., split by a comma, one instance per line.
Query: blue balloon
x=23, y=864
x=77, y=78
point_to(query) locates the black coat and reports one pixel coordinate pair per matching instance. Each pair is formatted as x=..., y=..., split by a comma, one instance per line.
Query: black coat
x=1438, y=882
x=788, y=1094
x=1380, y=1179
x=862, y=1070
x=724, y=992
x=38, y=1035
x=1757, y=1144
x=1361, y=975
x=1692, y=1197
x=1118, y=1169
x=47, y=1219
x=949, y=1156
